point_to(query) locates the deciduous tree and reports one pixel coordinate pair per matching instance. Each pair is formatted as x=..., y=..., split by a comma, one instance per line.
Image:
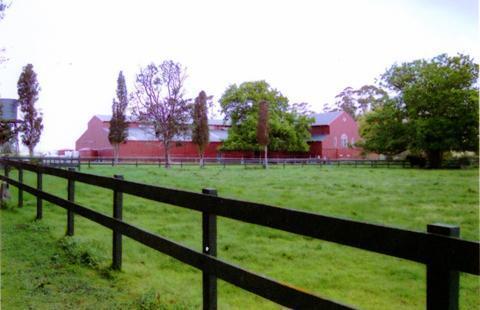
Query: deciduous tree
x=159, y=101
x=288, y=127
x=28, y=89
x=439, y=98
x=200, y=131
x=383, y=130
x=118, y=130
x=357, y=102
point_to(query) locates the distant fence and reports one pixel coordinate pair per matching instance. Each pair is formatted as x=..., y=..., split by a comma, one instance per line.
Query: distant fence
x=50, y=161
x=440, y=249
x=211, y=161
x=76, y=162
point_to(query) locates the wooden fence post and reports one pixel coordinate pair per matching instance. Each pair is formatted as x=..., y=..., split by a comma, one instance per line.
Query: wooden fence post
x=209, y=247
x=442, y=283
x=39, y=200
x=71, y=197
x=117, y=237
x=20, y=191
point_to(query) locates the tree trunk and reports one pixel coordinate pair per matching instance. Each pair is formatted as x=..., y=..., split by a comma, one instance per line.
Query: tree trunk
x=30, y=151
x=435, y=158
x=265, y=165
x=115, y=152
x=202, y=160
x=166, y=148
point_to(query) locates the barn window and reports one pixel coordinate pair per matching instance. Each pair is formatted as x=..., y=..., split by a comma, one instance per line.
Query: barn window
x=344, y=141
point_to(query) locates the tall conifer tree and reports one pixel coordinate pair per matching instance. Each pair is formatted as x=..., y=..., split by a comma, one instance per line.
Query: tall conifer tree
x=28, y=89
x=200, y=131
x=118, y=124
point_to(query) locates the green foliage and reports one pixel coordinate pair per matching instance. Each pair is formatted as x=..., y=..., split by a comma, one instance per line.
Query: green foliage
x=77, y=253
x=357, y=102
x=28, y=89
x=288, y=126
x=383, y=130
x=440, y=101
x=434, y=109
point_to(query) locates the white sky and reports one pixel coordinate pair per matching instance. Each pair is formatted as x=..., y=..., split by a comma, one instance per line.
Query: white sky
x=309, y=50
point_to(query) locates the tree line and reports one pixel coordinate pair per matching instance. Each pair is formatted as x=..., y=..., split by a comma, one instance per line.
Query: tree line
x=260, y=117
x=426, y=107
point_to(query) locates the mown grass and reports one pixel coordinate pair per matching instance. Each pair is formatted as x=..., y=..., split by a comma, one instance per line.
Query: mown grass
x=405, y=198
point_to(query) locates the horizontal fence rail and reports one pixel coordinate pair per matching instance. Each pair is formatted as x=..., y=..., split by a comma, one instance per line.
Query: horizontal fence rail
x=75, y=162
x=225, y=161
x=273, y=290
x=431, y=249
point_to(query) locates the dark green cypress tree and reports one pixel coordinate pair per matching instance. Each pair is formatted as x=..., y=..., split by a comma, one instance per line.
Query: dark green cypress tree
x=28, y=89
x=200, y=131
x=118, y=123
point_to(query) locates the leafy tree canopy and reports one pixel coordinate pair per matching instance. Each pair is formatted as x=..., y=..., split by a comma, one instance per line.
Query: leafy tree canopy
x=436, y=106
x=383, y=130
x=357, y=102
x=288, y=125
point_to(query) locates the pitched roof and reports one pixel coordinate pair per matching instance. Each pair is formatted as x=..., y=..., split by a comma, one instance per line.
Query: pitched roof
x=325, y=118
x=107, y=118
x=146, y=134
x=131, y=118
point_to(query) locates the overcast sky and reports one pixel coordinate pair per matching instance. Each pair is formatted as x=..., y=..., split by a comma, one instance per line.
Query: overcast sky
x=309, y=50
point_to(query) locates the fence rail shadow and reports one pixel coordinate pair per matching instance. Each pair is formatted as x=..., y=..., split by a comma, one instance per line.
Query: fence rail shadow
x=440, y=249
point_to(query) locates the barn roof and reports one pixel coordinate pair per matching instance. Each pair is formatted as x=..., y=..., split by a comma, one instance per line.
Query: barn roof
x=131, y=118
x=147, y=134
x=325, y=118
x=107, y=118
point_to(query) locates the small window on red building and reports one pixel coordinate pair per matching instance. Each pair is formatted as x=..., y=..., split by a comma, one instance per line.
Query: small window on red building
x=344, y=141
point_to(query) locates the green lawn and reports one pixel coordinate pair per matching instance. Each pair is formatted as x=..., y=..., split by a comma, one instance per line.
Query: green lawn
x=41, y=269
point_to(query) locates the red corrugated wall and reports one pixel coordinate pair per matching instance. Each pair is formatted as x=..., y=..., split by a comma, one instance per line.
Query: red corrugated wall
x=95, y=137
x=94, y=142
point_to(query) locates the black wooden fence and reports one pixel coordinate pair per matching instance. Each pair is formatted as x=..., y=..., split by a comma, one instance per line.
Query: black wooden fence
x=440, y=249
x=303, y=161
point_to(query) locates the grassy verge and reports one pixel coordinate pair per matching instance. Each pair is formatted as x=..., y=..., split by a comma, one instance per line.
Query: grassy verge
x=400, y=197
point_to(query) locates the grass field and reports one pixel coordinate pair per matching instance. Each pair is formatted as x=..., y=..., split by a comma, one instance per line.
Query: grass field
x=41, y=269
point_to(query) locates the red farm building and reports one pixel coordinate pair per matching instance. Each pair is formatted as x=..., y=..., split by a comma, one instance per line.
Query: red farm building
x=333, y=135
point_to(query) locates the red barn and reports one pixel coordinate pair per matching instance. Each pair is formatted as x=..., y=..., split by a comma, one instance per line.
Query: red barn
x=333, y=134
